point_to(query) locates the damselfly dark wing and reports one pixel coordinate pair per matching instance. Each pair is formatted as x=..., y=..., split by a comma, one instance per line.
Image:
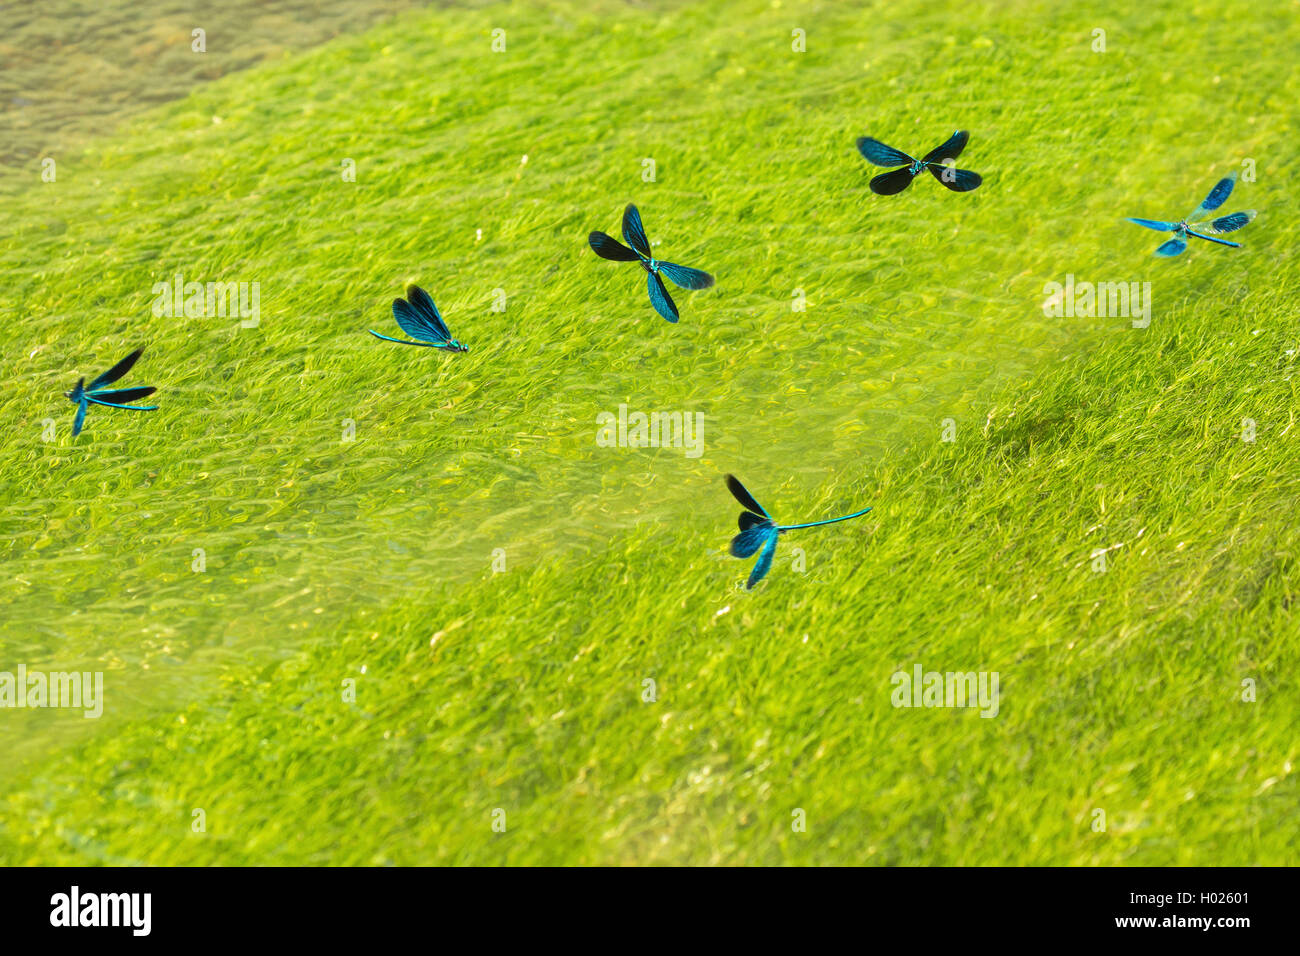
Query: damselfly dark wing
x=634, y=233
x=413, y=325
x=878, y=154
x=607, y=247
x=660, y=298
x=938, y=159
x=750, y=540
x=427, y=311
x=418, y=324
x=120, y=395
x=888, y=184
x=1173, y=247
x=741, y=494
x=684, y=277
x=764, y=563
x=949, y=150
x=1217, y=197
x=1231, y=222
x=958, y=180
x=117, y=371
x=81, y=417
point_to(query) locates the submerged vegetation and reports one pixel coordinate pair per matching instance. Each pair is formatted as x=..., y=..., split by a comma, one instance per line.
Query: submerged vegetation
x=356, y=604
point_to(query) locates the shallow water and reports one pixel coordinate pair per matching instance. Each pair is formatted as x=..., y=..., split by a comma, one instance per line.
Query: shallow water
x=306, y=546
x=303, y=533
x=73, y=70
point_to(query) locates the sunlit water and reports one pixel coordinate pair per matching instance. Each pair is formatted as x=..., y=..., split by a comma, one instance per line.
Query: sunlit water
x=315, y=530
